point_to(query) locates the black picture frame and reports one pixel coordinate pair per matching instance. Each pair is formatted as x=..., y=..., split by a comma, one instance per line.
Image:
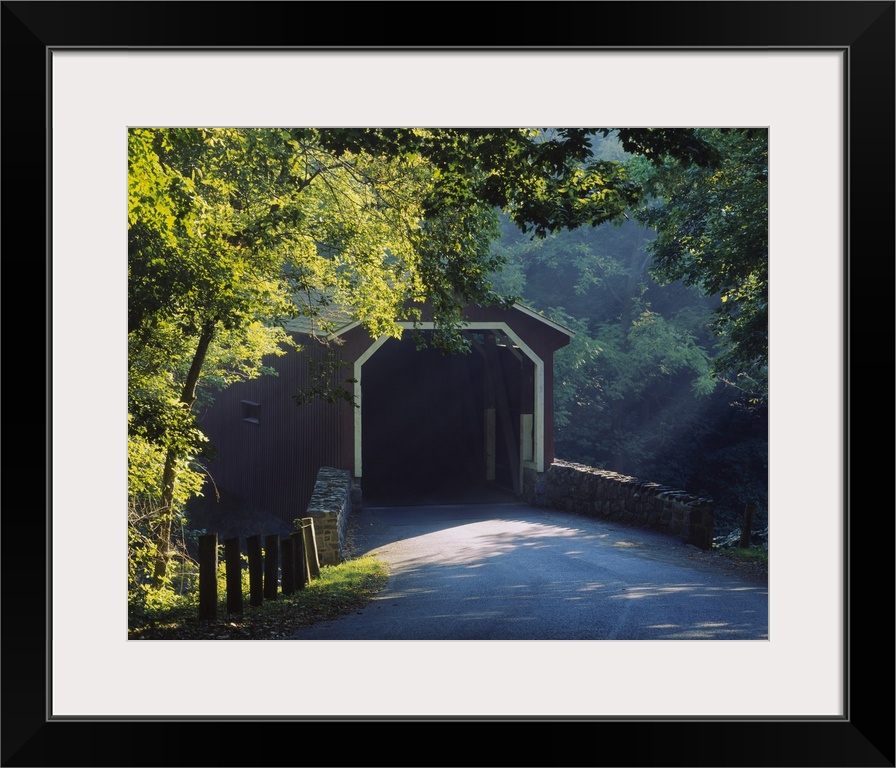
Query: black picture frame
x=864, y=30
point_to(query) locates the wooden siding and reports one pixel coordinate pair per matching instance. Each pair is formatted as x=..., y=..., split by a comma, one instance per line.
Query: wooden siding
x=272, y=465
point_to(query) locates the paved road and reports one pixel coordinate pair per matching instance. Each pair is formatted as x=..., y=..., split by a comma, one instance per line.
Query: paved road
x=513, y=572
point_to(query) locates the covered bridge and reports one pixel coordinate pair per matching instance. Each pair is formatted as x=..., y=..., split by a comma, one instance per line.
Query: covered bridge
x=414, y=419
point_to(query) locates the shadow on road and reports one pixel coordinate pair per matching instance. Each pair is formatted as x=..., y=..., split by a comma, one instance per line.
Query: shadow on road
x=509, y=571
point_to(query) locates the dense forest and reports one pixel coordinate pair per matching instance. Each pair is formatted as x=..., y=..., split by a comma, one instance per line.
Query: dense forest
x=651, y=386
x=651, y=244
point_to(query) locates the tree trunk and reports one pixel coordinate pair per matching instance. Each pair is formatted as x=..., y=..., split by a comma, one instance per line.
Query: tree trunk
x=746, y=531
x=169, y=474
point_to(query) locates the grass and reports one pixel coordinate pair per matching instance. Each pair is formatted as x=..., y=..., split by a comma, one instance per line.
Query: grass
x=757, y=555
x=339, y=590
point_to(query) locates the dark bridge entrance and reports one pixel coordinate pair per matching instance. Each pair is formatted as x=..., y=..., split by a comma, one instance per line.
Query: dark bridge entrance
x=445, y=428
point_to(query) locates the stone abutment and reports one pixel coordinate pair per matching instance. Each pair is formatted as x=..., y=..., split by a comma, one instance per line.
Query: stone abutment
x=330, y=507
x=603, y=494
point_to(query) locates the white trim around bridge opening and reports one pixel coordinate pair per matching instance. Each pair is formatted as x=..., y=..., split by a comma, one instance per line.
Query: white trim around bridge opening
x=473, y=326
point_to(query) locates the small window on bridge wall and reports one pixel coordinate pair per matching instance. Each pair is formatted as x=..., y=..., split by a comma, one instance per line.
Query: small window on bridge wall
x=251, y=412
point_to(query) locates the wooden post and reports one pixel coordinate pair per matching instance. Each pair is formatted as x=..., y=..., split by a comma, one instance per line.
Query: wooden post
x=233, y=571
x=271, y=565
x=490, y=413
x=256, y=565
x=208, y=576
x=287, y=567
x=746, y=532
x=502, y=403
x=300, y=558
x=311, y=547
x=527, y=410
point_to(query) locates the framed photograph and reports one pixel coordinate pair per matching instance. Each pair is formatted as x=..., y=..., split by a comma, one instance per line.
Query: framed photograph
x=819, y=75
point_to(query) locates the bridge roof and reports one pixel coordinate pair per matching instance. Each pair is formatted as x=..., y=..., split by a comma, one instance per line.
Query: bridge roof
x=331, y=320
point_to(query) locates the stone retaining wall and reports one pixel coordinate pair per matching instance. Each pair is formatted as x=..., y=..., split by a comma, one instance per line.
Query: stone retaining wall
x=600, y=493
x=330, y=507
